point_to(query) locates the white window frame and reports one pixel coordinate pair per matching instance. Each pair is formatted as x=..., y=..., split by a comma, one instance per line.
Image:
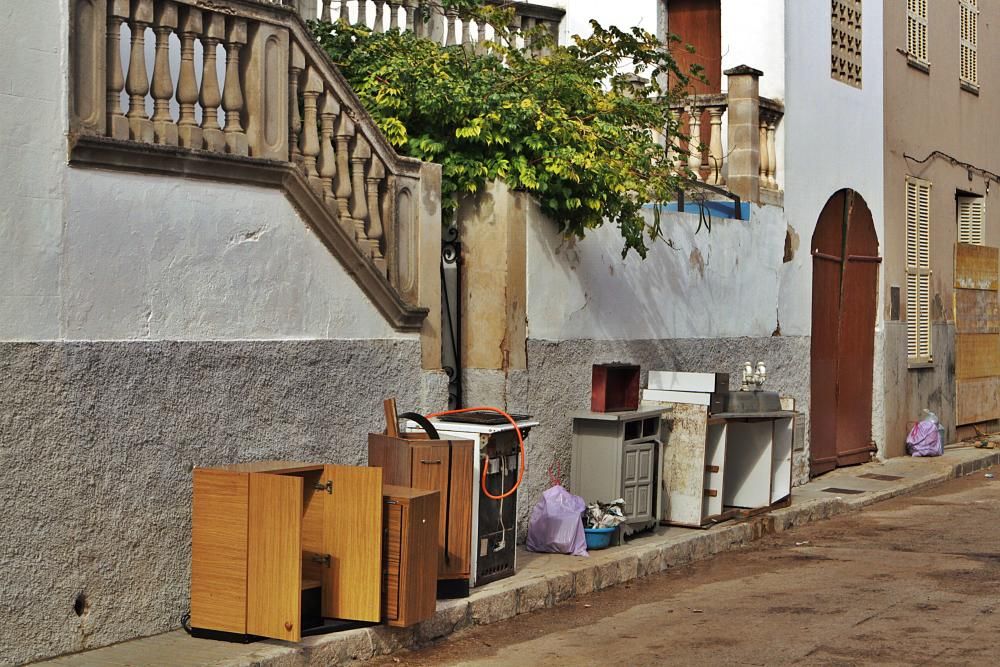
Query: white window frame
x=969, y=43
x=971, y=219
x=916, y=30
x=918, y=271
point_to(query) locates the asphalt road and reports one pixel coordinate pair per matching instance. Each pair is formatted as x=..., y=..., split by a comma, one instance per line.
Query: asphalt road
x=911, y=581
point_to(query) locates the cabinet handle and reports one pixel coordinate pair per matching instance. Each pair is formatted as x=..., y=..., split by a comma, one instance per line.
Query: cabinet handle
x=429, y=462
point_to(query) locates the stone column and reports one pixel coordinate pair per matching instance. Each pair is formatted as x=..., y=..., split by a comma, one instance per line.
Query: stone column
x=744, y=132
x=266, y=67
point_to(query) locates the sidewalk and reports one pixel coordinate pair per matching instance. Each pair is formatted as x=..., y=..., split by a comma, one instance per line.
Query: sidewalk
x=546, y=580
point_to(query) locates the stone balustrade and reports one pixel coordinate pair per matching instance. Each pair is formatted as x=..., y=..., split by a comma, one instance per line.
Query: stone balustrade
x=429, y=19
x=738, y=149
x=253, y=88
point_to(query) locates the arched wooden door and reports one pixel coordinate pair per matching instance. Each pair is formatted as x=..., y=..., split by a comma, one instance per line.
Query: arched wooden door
x=844, y=301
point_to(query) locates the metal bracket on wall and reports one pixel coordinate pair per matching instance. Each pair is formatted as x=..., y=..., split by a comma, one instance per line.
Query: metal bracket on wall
x=451, y=317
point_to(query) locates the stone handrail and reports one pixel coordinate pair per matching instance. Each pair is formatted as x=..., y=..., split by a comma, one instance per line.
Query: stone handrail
x=743, y=159
x=288, y=119
x=428, y=19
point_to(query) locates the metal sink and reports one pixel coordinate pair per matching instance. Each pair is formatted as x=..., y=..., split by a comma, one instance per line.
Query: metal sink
x=752, y=401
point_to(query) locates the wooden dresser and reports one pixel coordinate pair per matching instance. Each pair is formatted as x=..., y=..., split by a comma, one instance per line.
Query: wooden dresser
x=278, y=545
x=409, y=554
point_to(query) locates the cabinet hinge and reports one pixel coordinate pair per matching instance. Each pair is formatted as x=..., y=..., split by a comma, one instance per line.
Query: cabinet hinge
x=322, y=560
x=328, y=487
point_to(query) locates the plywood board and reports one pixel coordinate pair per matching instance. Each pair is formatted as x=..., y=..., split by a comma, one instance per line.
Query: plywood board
x=977, y=356
x=976, y=266
x=274, y=563
x=219, y=551
x=683, y=467
x=977, y=400
x=977, y=311
x=352, y=589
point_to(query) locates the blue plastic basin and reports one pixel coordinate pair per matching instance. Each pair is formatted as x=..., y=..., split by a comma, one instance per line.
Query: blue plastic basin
x=598, y=538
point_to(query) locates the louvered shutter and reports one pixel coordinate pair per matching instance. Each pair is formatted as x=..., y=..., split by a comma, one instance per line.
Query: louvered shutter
x=918, y=270
x=969, y=37
x=971, y=220
x=916, y=29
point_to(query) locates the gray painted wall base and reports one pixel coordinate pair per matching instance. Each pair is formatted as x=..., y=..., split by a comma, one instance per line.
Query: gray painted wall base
x=97, y=442
x=557, y=384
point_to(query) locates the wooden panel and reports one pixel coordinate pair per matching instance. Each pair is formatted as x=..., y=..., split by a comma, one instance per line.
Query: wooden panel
x=313, y=517
x=219, y=551
x=393, y=545
x=977, y=356
x=977, y=400
x=683, y=466
x=353, y=588
x=827, y=243
x=698, y=23
x=430, y=463
x=458, y=505
x=856, y=343
x=274, y=564
x=392, y=455
x=277, y=467
x=977, y=311
x=976, y=266
x=420, y=534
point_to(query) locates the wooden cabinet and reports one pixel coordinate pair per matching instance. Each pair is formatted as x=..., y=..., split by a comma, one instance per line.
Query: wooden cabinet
x=616, y=455
x=445, y=466
x=409, y=554
x=273, y=538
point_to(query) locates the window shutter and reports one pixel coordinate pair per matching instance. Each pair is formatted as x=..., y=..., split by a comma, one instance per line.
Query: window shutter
x=918, y=270
x=916, y=29
x=971, y=220
x=969, y=37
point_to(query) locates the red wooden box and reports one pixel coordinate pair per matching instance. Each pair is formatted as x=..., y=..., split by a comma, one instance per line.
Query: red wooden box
x=614, y=388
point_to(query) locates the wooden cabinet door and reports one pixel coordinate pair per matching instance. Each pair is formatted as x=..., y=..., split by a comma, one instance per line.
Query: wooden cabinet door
x=430, y=464
x=458, y=505
x=352, y=587
x=274, y=556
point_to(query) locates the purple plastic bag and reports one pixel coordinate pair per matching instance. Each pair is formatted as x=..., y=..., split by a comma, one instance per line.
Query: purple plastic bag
x=925, y=439
x=556, y=525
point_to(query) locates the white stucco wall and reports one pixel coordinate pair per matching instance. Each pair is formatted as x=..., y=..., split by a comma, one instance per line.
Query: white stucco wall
x=719, y=284
x=92, y=255
x=834, y=138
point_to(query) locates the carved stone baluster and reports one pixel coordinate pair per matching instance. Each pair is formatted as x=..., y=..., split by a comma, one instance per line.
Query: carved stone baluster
x=328, y=110
x=379, y=16
x=325, y=13
x=527, y=26
x=359, y=201
x=211, y=96
x=232, y=96
x=342, y=191
x=452, y=15
x=481, y=36
x=394, y=6
x=467, y=33
x=376, y=175
x=310, y=128
x=345, y=13
x=715, y=154
x=296, y=64
x=694, y=140
x=118, y=13
x=764, y=166
x=137, y=81
x=362, y=12
x=165, y=21
x=411, y=15
x=189, y=133
x=772, y=154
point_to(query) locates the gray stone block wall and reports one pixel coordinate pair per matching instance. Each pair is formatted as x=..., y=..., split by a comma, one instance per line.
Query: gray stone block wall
x=97, y=443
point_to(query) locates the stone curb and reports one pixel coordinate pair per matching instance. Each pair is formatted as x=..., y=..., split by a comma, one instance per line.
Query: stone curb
x=506, y=599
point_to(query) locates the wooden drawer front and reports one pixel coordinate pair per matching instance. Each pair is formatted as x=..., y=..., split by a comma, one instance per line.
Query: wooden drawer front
x=638, y=472
x=393, y=542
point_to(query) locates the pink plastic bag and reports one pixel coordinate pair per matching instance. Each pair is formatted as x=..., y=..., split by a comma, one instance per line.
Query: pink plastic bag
x=556, y=525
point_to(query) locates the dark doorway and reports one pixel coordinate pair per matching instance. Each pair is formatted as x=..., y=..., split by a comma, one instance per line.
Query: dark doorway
x=844, y=301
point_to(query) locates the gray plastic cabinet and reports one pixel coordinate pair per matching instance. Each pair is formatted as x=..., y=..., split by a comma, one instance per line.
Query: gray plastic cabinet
x=617, y=455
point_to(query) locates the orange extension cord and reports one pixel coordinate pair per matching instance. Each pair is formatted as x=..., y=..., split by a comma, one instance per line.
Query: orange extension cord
x=520, y=443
